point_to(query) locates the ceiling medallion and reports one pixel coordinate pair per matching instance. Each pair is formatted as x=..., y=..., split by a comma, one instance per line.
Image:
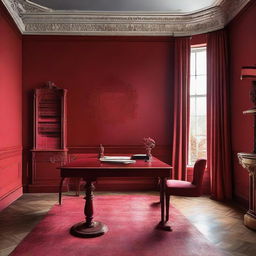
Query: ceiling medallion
x=35, y=19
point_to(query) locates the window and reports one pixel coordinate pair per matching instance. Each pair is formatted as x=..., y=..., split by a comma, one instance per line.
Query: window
x=197, y=133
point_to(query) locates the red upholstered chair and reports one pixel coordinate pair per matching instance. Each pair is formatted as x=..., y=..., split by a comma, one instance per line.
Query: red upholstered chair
x=185, y=188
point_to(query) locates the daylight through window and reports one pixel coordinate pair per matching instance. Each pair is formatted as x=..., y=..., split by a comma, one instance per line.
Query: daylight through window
x=197, y=134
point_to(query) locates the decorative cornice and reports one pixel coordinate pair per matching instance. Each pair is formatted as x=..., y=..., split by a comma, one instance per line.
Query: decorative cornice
x=12, y=7
x=33, y=19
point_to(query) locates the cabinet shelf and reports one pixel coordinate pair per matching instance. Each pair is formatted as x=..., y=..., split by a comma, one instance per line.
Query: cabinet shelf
x=49, y=120
x=50, y=117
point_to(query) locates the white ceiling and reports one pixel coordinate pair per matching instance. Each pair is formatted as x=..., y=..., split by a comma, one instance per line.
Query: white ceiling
x=172, y=6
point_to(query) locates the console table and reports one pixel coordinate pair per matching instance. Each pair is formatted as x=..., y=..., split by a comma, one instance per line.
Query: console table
x=90, y=168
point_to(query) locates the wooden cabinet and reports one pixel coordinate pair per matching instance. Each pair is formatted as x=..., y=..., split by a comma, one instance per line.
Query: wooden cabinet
x=49, y=144
x=50, y=118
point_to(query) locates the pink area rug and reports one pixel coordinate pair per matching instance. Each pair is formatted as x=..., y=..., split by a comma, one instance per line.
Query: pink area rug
x=131, y=221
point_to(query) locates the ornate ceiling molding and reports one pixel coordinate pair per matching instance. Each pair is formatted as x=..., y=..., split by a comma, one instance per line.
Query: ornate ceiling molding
x=34, y=19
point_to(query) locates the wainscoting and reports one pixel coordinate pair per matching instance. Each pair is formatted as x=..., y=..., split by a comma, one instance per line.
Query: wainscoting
x=10, y=175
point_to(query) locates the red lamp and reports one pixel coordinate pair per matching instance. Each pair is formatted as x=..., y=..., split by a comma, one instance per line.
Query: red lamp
x=249, y=73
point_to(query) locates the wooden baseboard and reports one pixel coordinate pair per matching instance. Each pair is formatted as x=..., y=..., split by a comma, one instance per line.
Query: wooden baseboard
x=242, y=202
x=41, y=188
x=10, y=197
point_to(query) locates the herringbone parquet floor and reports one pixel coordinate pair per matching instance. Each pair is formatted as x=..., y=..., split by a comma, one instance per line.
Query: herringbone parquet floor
x=221, y=224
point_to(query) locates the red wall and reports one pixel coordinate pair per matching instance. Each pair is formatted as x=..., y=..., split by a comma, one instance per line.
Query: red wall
x=119, y=91
x=242, y=37
x=10, y=110
x=118, y=87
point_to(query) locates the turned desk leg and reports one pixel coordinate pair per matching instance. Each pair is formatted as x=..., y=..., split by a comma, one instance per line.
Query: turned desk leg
x=88, y=207
x=89, y=228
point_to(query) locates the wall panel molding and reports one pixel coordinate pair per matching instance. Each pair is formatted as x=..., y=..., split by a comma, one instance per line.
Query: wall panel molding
x=10, y=197
x=7, y=152
x=10, y=175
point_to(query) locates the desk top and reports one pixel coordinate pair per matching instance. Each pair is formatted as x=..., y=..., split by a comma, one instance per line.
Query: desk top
x=90, y=161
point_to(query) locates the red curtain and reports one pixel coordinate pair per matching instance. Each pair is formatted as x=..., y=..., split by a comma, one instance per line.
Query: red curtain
x=218, y=127
x=181, y=107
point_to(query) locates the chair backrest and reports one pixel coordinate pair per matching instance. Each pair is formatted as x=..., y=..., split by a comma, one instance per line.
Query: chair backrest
x=198, y=174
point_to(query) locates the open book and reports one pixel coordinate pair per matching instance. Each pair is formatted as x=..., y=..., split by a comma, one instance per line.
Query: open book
x=117, y=159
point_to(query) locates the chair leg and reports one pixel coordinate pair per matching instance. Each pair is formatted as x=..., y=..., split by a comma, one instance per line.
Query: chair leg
x=77, y=181
x=167, y=200
x=60, y=190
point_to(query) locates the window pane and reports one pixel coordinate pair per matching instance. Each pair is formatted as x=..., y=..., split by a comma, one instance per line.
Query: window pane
x=192, y=106
x=193, y=85
x=200, y=85
x=201, y=63
x=201, y=147
x=198, y=148
x=192, y=125
x=198, y=126
x=192, y=63
x=201, y=125
x=200, y=106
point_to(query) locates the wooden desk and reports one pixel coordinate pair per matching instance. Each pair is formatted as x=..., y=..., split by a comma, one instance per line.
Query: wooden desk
x=90, y=168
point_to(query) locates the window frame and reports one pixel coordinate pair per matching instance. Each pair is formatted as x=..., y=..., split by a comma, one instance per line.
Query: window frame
x=196, y=48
